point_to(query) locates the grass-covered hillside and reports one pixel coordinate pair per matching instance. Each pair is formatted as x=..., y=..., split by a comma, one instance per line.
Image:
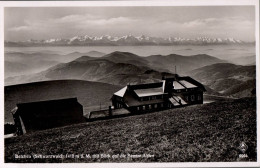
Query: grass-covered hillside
x=228, y=79
x=200, y=133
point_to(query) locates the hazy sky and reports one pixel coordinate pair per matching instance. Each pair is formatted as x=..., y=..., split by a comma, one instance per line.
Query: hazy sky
x=189, y=22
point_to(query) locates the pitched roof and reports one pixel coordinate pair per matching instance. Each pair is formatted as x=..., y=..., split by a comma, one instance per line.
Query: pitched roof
x=121, y=92
x=145, y=86
x=131, y=101
x=193, y=81
x=187, y=84
x=177, y=85
x=49, y=102
x=153, y=89
x=149, y=92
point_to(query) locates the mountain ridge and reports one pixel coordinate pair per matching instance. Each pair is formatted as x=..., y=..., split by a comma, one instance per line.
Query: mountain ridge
x=227, y=79
x=131, y=40
x=122, y=67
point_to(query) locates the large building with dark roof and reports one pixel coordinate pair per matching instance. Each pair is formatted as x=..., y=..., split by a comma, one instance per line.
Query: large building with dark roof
x=174, y=91
x=33, y=116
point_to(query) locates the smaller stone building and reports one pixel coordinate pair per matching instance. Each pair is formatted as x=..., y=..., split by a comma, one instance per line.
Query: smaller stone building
x=33, y=116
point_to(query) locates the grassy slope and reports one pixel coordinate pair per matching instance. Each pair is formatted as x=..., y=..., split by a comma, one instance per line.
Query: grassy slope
x=89, y=94
x=209, y=132
x=227, y=79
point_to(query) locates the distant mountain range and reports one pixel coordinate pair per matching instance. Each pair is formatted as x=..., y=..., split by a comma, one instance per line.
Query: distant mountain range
x=128, y=40
x=119, y=68
x=19, y=63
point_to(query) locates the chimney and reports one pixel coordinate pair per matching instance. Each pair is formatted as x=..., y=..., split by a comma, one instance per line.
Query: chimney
x=168, y=85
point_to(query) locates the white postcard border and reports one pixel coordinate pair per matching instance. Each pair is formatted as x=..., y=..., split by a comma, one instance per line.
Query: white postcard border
x=128, y=3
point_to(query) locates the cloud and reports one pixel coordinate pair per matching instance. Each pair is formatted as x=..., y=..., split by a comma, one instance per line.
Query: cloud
x=237, y=27
x=113, y=21
x=71, y=25
x=226, y=22
x=19, y=28
x=74, y=18
x=201, y=22
x=74, y=22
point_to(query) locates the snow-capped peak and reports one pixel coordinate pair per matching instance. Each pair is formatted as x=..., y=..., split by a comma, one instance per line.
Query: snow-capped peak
x=135, y=40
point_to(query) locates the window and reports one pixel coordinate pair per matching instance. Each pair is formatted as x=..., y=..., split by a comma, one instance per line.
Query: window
x=141, y=99
x=192, y=97
x=162, y=105
x=138, y=108
x=155, y=106
x=199, y=97
x=150, y=107
x=143, y=107
x=187, y=98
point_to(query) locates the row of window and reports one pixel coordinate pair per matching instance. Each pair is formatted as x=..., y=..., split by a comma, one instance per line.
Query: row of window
x=151, y=98
x=119, y=98
x=181, y=90
x=193, y=97
x=118, y=105
x=150, y=106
